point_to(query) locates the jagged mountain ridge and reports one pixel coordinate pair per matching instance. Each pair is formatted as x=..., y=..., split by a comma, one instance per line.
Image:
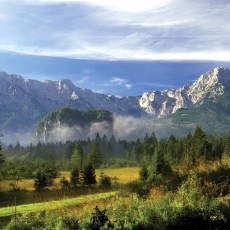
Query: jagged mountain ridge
x=24, y=102
x=207, y=87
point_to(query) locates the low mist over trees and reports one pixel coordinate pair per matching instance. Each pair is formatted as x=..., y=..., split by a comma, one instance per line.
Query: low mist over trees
x=158, y=155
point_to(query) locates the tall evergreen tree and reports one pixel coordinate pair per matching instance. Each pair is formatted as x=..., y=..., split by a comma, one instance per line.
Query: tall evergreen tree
x=143, y=173
x=74, y=177
x=159, y=164
x=171, y=151
x=217, y=149
x=40, y=180
x=95, y=157
x=88, y=175
x=137, y=151
x=147, y=146
x=77, y=157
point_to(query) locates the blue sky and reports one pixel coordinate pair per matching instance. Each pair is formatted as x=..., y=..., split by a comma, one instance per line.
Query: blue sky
x=116, y=31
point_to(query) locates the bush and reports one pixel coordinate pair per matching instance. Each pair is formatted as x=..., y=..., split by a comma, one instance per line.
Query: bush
x=66, y=223
x=27, y=221
x=142, y=189
x=105, y=181
x=64, y=183
x=211, y=215
x=100, y=220
x=40, y=181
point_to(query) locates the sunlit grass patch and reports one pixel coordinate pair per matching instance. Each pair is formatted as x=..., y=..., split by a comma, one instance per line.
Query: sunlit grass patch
x=124, y=175
x=52, y=205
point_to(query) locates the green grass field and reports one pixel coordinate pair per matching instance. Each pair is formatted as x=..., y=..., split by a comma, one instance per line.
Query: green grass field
x=52, y=205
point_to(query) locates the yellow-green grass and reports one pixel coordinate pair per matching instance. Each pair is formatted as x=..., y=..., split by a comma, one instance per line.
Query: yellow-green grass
x=53, y=205
x=123, y=175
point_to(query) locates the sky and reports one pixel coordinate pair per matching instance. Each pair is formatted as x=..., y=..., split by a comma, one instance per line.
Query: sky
x=112, y=32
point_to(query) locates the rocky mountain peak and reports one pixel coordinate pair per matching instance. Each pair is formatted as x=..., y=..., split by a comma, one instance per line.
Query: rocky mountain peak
x=208, y=86
x=24, y=102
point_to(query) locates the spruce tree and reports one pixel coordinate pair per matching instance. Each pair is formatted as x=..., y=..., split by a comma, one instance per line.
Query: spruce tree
x=77, y=157
x=95, y=157
x=159, y=164
x=199, y=142
x=74, y=177
x=40, y=181
x=88, y=175
x=143, y=173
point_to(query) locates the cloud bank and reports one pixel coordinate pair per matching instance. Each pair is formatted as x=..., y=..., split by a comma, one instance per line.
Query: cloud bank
x=123, y=127
x=98, y=29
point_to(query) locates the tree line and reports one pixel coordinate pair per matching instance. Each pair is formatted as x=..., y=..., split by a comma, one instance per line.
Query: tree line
x=82, y=157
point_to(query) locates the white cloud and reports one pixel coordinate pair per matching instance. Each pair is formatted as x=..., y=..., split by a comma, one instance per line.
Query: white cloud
x=128, y=86
x=133, y=6
x=83, y=80
x=146, y=30
x=116, y=81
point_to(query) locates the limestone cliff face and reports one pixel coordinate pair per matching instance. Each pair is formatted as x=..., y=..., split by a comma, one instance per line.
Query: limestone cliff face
x=24, y=102
x=207, y=87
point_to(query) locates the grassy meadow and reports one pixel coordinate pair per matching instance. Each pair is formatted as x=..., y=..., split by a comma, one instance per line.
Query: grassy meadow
x=165, y=205
x=120, y=175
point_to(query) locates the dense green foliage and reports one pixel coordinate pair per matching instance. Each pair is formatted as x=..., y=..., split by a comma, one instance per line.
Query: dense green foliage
x=44, y=176
x=88, y=175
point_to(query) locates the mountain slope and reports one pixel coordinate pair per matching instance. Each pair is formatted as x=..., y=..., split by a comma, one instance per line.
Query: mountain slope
x=212, y=116
x=24, y=102
x=207, y=88
x=69, y=124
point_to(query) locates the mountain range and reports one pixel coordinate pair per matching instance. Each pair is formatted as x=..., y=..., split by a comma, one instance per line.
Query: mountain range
x=24, y=102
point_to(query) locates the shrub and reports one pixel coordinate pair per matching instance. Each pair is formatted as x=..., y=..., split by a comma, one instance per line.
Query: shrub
x=66, y=223
x=100, y=220
x=64, y=183
x=140, y=188
x=40, y=181
x=105, y=181
x=27, y=221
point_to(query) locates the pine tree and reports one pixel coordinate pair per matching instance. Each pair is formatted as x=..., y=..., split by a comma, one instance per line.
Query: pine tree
x=95, y=157
x=143, y=173
x=137, y=151
x=147, y=146
x=171, y=149
x=40, y=181
x=74, y=177
x=217, y=149
x=159, y=163
x=88, y=175
x=199, y=142
x=77, y=157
